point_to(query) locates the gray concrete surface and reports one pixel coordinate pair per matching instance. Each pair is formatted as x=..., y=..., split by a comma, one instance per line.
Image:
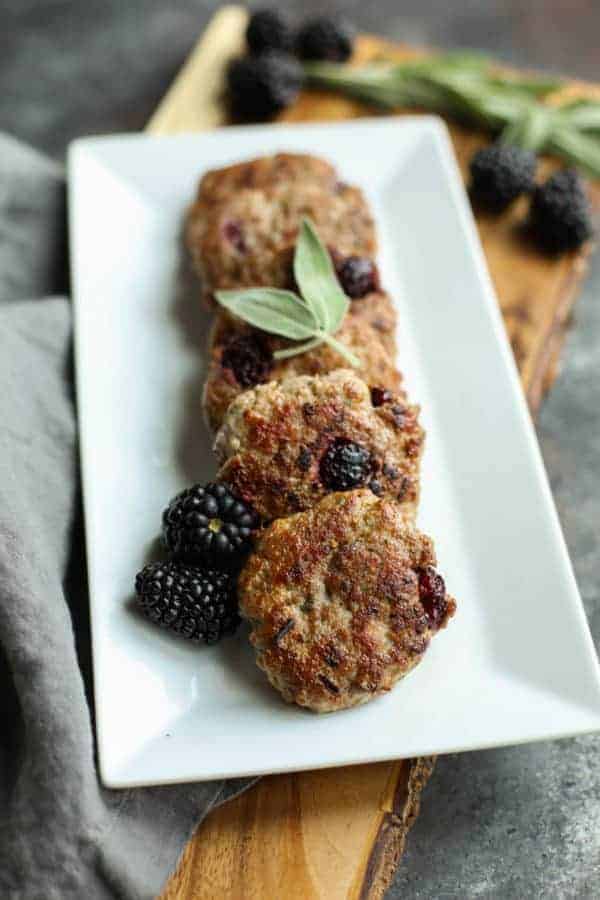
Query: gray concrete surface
x=512, y=823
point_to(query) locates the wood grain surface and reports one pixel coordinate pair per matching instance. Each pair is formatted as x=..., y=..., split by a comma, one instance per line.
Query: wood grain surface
x=339, y=834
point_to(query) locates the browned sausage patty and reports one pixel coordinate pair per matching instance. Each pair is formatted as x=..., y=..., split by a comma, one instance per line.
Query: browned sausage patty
x=265, y=172
x=284, y=445
x=242, y=357
x=248, y=239
x=343, y=600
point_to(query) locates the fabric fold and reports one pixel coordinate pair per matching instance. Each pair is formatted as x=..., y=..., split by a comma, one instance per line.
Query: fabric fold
x=62, y=835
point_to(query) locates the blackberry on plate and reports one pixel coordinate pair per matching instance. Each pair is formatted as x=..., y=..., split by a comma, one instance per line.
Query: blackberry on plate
x=208, y=524
x=559, y=217
x=358, y=275
x=345, y=465
x=325, y=38
x=267, y=30
x=196, y=603
x=261, y=86
x=249, y=359
x=500, y=173
x=432, y=594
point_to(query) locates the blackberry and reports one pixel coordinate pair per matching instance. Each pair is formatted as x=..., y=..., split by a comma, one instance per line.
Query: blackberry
x=207, y=524
x=345, y=465
x=233, y=232
x=325, y=38
x=358, y=275
x=249, y=358
x=267, y=30
x=261, y=86
x=432, y=593
x=499, y=174
x=196, y=603
x=559, y=217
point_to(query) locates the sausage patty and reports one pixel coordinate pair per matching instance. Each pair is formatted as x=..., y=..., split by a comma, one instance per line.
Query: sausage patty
x=342, y=600
x=284, y=445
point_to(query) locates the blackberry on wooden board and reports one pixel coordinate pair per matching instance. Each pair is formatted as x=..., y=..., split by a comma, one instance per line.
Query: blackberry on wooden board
x=268, y=30
x=325, y=38
x=559, y=217
x=499, y=174
x=260, y=87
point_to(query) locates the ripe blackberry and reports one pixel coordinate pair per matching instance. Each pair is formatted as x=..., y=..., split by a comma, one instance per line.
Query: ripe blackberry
x=207, y=524
x=499, y=174
x=345, y=465
x=432, y=593
x=196, y=603
x=358, y=275
x=267, y=30
x=249, y=358
x=325, y=38
x=559, y=217
x=261, y=86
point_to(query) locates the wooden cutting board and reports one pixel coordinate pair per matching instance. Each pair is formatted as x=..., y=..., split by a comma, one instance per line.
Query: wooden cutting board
x=339, y=834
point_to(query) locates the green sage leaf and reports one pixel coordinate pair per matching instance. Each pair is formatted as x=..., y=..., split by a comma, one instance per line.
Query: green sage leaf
x=316, y=278
x=275, y=311
x=296, y=349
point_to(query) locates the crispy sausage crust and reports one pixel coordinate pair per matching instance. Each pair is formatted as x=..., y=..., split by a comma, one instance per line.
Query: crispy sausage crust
x=263, y=173
x=274, y=436
x=332, y=596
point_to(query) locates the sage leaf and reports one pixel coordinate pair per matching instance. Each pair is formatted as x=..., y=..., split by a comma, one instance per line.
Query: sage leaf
x=295, y=349
x=275, y=311
x=316, y=278
x=474, y=90
x=311, y=318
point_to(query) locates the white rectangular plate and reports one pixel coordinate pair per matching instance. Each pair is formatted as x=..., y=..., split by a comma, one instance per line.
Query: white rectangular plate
x=516, y=664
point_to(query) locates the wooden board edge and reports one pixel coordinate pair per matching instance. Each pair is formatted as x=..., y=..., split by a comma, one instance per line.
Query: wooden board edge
x=194, y=103
x=547, y=364
x=390, y=840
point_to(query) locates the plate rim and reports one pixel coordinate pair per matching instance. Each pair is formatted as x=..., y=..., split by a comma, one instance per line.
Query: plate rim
x=434, y=126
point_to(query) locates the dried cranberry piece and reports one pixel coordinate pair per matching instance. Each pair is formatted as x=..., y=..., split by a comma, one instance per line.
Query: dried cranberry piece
x=233, y=232
x=380, y=395
x=249, y=359
x=358, y=275
x=432, y=593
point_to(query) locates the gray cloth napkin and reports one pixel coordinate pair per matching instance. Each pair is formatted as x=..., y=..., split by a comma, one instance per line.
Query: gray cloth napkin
x=62, y=835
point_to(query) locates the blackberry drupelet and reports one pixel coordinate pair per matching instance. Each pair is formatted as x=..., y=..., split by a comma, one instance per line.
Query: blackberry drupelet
x=345, y=465
x=325, y=38
x=267, y=30
x=208, y=524
x=196, y=603
x=358, y=275
x=260, y=87
x=432, y=593
x=559, y=216
x=249, y=358
x=499, y=174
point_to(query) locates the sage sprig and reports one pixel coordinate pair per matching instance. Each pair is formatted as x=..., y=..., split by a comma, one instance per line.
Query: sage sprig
x=469, y=88
x=310, y=317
